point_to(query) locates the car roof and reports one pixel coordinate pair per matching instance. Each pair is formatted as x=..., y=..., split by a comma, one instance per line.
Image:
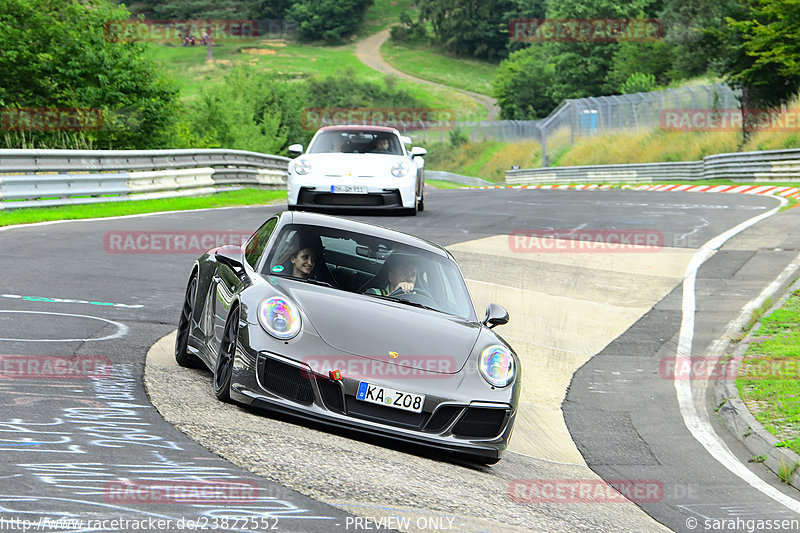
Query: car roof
x=358, y=127
x=328, y=221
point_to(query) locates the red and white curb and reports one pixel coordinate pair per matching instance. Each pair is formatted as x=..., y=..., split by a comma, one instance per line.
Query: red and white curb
x=769, y=190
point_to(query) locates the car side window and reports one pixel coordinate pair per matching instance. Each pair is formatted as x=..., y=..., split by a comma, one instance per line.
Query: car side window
x=255, y=246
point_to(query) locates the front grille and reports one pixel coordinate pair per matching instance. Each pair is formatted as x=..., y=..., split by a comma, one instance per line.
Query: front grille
x=331, y=394
x=348, y=199
x=385, y=415
x=288, y=381
x=442, y=418
x=387, y=198
x=479, y=422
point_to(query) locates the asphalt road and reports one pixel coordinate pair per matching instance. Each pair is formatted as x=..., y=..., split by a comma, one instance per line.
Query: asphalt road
x=67, y=291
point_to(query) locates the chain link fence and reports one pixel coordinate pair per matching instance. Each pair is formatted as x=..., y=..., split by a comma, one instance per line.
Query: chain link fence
x=586, y=117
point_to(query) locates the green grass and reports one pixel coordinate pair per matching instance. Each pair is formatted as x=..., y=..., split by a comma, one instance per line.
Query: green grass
x=383, y=13
x=438, y=184
x=291, y=59
x=769, y=378
x=111, y=209
x=430, y=63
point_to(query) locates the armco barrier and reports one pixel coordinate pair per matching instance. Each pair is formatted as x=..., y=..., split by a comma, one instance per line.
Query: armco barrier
x=772, y=165
x=60, y=177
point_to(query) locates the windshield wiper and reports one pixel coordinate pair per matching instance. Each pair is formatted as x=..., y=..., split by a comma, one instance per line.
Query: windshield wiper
x=407, y=302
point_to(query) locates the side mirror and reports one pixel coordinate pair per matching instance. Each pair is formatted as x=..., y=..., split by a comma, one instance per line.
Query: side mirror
x=418, y=151
x=496, y=315
x=296, y=149
x=230, y=255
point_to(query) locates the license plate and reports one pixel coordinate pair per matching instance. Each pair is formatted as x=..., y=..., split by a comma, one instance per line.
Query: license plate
x=351, y=189
x=390, y=398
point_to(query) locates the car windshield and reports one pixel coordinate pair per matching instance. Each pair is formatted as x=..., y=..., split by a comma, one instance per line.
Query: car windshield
x=368, y=265
x=356, y=142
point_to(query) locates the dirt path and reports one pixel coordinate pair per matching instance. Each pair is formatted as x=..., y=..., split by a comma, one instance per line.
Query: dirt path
x=369, y=52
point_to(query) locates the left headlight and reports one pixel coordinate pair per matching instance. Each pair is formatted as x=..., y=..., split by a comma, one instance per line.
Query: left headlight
x=302, y=167
x=497, y=365
x=279, y=317
x=400, y=169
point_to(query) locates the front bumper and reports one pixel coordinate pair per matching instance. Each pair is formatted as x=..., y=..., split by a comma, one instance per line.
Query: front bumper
x=382, y=193
x=451, y=418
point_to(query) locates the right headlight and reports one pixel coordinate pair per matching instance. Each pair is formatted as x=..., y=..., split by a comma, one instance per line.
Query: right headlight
x=496, y=365
x=279, y=317
x=302, y=166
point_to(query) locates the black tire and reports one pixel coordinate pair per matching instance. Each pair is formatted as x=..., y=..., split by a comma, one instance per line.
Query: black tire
x=223, y=370
x=182, y=355
x=421, y=203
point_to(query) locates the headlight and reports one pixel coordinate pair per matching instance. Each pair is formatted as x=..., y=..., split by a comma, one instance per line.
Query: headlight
x=497, y=365
x=400, y=169
x=280, y=318
x=302, y=167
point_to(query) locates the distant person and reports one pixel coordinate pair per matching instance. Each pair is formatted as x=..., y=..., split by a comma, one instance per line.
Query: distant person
x=381, y=146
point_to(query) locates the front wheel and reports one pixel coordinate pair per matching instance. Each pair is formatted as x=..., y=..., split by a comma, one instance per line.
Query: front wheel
x=223, y=370
x=182, y=355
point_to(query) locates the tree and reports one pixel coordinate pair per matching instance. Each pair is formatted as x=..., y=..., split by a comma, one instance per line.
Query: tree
x=249, y=111
x=329, y=20
x=475, y=28
x=759, y=54
x=57, y=54
x=581, y=65
x=522, y=85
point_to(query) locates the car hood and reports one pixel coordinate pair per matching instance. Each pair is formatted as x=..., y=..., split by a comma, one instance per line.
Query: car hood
x=353, y=165
x=372, y=328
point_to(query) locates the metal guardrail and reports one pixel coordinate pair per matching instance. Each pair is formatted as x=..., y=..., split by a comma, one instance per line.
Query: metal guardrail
x=59, y=177
x=772, y=165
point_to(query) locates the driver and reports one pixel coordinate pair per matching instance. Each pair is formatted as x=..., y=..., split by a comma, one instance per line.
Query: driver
x=402, y=277
x=381, y=145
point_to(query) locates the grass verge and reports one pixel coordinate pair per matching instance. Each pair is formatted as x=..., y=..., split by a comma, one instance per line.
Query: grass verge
x=112, y=209
x=188, y=65
x=429, y=63
x=768, y=378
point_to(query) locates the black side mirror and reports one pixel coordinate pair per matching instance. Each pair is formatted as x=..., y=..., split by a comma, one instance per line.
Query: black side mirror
x=496, y=315
x=230, y=255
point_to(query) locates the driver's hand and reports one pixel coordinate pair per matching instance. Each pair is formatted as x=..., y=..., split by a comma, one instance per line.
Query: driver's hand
x=405, y=286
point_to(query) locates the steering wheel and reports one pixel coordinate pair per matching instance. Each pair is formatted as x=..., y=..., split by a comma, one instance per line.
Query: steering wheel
x=417, y=290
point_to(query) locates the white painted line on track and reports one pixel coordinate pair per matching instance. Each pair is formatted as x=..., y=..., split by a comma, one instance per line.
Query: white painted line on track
x=697, y=421
x=122, y=329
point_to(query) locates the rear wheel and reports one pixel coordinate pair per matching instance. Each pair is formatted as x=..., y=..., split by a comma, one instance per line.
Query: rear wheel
x=223, y=370
x=182, y=355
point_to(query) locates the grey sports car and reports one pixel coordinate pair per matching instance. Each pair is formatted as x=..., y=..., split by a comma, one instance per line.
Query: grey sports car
x=356, y=326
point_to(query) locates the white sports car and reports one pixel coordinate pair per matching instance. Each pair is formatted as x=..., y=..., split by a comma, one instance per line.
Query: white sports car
x=349, y=167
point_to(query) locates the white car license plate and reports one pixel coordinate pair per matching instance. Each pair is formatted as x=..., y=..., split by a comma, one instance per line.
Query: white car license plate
x=351, y=189
x=390, y=397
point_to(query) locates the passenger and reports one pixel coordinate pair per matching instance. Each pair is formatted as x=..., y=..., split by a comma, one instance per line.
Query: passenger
x=303, y=262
